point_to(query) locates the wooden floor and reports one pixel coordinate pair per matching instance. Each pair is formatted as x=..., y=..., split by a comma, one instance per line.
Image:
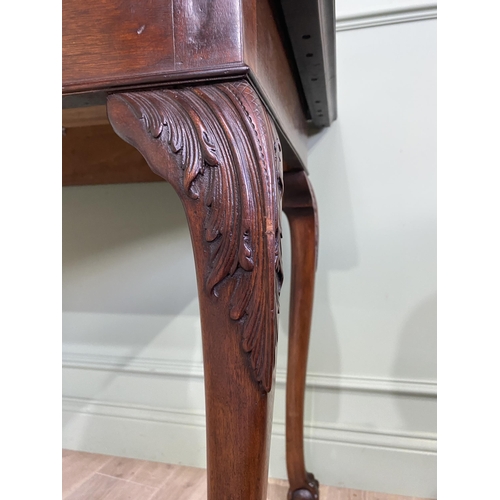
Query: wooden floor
x=87, y=476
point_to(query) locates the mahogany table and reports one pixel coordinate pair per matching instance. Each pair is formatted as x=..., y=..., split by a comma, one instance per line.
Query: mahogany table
x=216, y=96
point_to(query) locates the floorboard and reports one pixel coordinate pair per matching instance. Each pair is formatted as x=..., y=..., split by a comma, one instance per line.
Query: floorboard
x=89, y=476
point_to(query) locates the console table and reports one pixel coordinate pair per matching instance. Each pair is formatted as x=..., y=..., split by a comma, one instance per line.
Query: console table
x=216, y=96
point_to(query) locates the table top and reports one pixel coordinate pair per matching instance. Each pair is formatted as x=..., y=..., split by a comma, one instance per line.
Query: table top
x=285, y=48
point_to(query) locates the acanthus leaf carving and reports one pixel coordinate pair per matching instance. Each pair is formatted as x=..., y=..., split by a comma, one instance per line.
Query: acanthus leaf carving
x=223, y=140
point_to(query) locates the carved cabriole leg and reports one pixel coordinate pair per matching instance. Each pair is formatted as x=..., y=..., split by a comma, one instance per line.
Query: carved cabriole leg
x=219, y=149
x=300, y=207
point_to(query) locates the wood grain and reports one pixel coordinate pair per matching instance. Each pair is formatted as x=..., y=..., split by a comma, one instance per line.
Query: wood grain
x=189, y=484
x=108, y=44
x=114, y=40
x=96, y=155
x=220, y=146
x=271, y=72
x=93, y=154
x=217, y=146
x=84, y=117
x=78, y=467
x=102, y=487
x=179, y=482
x=122, y=45
x=151, y=474
x=299, y=205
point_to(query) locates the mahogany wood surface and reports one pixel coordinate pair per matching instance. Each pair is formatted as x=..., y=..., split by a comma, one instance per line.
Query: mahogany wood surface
x=96, y=155
x=218, y=147
x=206, y=92
x=111, y=45
x=84, y=117
x=271, y=71
x=299, y=205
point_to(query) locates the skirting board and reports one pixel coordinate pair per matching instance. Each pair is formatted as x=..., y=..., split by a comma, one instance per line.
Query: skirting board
x=403, y=463
x=369, y=19
x=148, y=366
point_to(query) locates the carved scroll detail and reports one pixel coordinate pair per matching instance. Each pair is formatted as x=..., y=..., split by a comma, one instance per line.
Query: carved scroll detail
x=217, y=145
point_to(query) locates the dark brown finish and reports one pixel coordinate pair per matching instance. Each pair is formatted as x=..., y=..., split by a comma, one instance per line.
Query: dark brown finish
x=84, y=117
x=96, y=155
x=270, y=71
x=109, y=46
x=108, y=43
x=311, y=27
x=219, y=149
x=83, y=100
x=299, y=205
x=217, y=142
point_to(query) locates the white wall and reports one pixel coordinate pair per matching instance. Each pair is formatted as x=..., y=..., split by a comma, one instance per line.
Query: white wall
x=131, y=337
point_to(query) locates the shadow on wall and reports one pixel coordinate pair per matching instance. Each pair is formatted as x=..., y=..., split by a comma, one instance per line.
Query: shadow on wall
x=328, y=173
x=416, y=354
x=416, y=358
x=124, y=248
x=337, y=250
x=129, y=291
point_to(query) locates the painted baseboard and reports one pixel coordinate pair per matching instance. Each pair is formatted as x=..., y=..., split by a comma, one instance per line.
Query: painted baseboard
x=402, y=463
x=383, y=17
x=377, y=459
x=151, y=366
x=408, y=441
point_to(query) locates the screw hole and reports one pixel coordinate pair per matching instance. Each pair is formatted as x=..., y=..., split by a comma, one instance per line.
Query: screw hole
x=306, y=37
x=317, y=102
x=314, y=79
x=309, y=55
